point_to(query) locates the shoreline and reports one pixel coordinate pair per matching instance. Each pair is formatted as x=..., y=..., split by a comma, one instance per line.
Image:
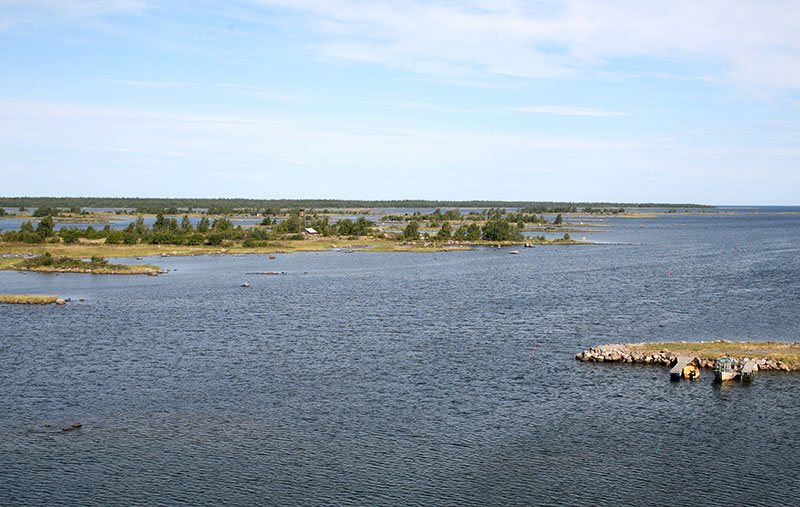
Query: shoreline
x=30, y=299
x=88, y=249
x=769, y=356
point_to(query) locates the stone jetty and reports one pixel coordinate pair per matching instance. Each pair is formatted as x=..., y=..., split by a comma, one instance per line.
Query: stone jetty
x=628, y=353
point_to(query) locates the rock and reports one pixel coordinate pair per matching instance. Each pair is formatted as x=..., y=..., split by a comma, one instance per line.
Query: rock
x=60, y=302
x=46, y=425
x=68, y=428
x=77, y=424
x=271, y=256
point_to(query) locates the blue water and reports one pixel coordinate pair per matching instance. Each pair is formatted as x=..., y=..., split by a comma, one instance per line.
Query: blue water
x=397, y=378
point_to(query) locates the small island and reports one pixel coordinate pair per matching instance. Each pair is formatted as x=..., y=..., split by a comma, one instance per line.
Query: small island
x=46, y=263
x=776, y=356
x=30, y=299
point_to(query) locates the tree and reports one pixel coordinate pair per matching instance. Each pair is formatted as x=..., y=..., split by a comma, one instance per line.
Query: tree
x=290, y=225
x=411, y=231
x=186, y=224
x=3, y=212
x=69, y=235
x=130, y=237
x=160, y=224
x=141, y=228
x=222, y=225
x=445, y=231
x=115, y=237
x=345, y=227
x=45, y=227
x=362, y=227
x=499, y=229
x=203, y=225
x=45, y=211
x=557, y=221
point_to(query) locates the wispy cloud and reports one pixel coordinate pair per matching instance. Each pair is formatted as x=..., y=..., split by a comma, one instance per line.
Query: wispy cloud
x=739, y=41
x=252, y=90
x=23, y=12
x=568, y=111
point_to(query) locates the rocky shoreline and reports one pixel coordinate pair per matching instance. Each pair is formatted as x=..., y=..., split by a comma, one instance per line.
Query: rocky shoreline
x=626, y=353
x=27, y=299
x=151, y=272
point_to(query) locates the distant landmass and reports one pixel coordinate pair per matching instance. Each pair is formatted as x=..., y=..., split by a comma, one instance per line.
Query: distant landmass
x=179, y=202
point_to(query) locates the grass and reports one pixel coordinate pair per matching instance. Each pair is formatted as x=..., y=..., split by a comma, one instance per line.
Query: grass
x=87, y=249
x=788, y=353
x=27, y=299
x=98, y=265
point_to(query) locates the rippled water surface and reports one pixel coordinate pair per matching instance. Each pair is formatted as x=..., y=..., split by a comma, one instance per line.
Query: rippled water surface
x=397, y=378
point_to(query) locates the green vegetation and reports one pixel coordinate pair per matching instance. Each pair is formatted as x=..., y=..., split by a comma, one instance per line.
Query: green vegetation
x=97, y=264
x=221, y=206
x=411, y=232
x=283, y=228
x=27, y=299
x=788, y=353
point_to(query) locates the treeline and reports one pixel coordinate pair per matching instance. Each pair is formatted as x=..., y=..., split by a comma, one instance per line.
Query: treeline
x=252, y=204
x=499, y=225
x=170, y=231
x=495, y=229
x=525, y=215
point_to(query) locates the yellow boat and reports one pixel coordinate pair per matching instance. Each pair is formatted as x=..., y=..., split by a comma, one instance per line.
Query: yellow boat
x=685, y=367
x=691, y=372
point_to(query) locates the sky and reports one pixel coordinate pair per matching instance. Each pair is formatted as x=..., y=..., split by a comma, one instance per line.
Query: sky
x=558, y=100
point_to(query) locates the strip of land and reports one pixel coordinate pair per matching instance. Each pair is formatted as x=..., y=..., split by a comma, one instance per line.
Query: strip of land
x=46, y=263
x=29, y=299
x=777, y=356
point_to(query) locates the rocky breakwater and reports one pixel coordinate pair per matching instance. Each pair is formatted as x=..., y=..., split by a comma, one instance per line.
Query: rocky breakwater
x=630, y=353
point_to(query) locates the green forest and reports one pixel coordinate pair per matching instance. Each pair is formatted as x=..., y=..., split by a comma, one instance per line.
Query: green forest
x=136, y=203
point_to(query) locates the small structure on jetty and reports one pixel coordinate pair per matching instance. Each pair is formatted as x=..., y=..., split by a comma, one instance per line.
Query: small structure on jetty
x=749, y=370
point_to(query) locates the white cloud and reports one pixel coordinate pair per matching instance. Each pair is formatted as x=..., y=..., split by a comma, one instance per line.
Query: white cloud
x=751, y=43
x=251, y=90
x=22, y=12
x=568, y=111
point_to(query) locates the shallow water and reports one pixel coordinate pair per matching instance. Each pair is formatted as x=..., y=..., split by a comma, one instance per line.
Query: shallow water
x=396, y=378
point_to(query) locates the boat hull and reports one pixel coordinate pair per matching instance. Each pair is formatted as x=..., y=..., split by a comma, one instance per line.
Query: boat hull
x=725, y=375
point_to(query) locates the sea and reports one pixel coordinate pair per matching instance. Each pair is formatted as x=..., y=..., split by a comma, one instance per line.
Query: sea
x=375, y=378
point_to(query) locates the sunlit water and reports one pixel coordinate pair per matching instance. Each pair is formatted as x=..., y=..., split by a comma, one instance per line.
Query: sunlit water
x=401, y=378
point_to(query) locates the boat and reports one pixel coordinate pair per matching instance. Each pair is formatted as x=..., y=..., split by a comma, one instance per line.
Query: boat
x=726, y=368
x=685, y=367
x=691, y=372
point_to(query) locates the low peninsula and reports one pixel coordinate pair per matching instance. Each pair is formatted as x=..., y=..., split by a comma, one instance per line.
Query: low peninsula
x=30, y=299
x=775, y=356
x=46, y=263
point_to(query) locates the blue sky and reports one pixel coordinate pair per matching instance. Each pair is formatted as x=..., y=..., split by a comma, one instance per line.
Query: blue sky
x=621, y=100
